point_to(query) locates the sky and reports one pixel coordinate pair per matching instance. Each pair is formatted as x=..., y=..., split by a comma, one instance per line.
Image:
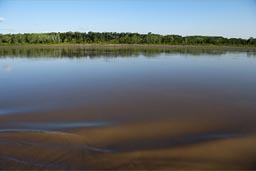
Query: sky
x=228, y=18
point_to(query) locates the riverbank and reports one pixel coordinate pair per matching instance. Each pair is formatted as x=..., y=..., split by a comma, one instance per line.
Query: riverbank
x=133, y=46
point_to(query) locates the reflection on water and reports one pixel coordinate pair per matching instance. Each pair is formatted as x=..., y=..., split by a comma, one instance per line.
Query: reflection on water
x=96, y=53
x=148, y=109
x=107, y=87
x=7, y=68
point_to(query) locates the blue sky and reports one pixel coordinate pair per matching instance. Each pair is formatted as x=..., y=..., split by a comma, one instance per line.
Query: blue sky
x=229, y=18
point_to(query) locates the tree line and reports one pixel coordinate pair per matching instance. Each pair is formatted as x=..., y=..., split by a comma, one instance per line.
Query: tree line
x=119, y=38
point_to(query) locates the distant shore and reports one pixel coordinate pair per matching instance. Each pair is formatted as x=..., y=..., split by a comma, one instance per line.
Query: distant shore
x=133, y=46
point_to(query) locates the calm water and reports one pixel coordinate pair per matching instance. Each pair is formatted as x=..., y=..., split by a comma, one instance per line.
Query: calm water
x=66, y=89
x=122, y=86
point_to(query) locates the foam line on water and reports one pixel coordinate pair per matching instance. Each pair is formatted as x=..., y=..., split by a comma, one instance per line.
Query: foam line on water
x=51, y=126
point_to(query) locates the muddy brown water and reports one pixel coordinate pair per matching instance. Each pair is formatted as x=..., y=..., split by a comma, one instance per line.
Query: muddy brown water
x=75, y=108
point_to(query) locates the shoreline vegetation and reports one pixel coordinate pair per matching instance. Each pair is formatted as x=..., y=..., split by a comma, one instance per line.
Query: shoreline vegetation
x=124, y=40
x=134, y=46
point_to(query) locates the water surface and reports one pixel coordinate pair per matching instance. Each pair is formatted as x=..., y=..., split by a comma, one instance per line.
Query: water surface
x=128, y=101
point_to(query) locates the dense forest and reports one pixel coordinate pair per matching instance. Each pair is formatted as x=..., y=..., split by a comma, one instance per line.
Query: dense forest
x=118, y=38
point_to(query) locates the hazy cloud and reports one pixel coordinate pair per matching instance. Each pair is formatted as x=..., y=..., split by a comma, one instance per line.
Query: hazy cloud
x=2, y=19
x=7, y=29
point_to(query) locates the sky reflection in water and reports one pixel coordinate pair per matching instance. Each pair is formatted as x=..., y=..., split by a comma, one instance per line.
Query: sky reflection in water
x=82, y=86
